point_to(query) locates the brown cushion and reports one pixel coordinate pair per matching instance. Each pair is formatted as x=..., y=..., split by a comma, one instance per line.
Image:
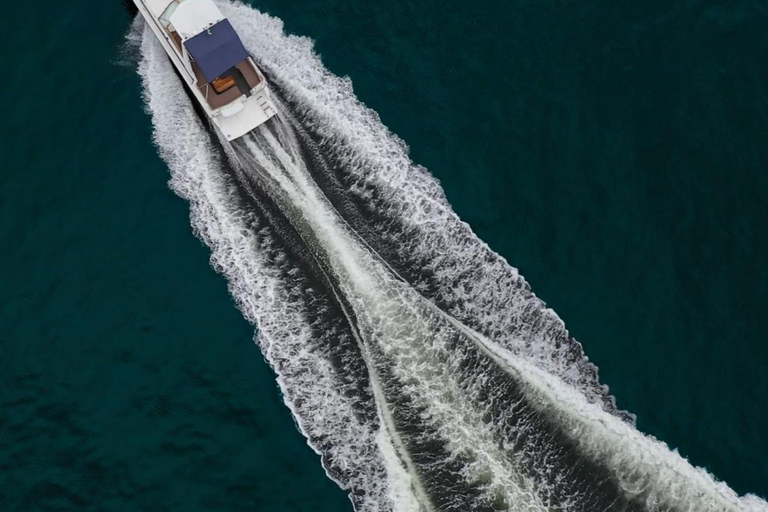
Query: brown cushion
x=222, y=84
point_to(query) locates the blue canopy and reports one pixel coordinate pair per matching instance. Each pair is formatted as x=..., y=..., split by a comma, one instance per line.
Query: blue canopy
x=216, y=49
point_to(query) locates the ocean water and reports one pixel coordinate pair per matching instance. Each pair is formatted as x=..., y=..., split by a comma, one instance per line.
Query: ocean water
x=614, y=153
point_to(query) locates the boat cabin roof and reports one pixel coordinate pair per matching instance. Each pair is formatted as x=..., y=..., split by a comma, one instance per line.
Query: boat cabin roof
x=216, y=50
x=191, y=17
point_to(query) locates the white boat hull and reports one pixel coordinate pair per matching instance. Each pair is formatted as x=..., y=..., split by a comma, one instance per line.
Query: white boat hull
x=233, y=120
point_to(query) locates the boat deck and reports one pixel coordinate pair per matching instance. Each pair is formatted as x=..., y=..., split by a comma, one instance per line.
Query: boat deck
x=249, y=73
x=215, y=100
x=218, y=100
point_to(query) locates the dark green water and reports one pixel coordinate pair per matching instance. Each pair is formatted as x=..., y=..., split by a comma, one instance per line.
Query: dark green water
x=615, y=153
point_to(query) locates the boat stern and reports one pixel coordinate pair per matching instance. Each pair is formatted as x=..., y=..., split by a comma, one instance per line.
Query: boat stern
x=239, y=118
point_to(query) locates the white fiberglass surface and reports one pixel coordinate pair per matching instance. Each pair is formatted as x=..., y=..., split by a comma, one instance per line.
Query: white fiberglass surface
x=159, y=6
x=191, y=17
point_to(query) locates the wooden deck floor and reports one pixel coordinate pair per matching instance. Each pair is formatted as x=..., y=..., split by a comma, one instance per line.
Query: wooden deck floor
x=215, y=100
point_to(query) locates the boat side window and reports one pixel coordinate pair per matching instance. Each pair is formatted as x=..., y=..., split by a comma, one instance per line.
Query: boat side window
x=165, y=21
x=165, y=18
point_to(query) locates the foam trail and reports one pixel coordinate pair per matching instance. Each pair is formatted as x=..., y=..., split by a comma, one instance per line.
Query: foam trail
x=414, y=400
x=422, y=350
x=265, y=291
x=411, y=212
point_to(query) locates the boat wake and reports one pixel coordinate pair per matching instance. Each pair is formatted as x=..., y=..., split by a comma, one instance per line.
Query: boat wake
x=417, y=362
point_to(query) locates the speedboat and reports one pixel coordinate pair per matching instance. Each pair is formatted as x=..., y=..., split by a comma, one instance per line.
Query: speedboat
x=211, y=59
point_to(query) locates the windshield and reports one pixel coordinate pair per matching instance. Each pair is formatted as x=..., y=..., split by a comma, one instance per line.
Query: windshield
x=165, y=18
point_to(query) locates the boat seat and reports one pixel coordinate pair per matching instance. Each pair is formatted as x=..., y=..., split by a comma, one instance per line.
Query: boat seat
x=222, y=84
x=215, y=100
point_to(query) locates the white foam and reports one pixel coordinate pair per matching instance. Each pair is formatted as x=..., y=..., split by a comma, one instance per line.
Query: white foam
x=410, y=331
x=644, y=466
x=391, y=316
x=314, y=396
x=492, y=295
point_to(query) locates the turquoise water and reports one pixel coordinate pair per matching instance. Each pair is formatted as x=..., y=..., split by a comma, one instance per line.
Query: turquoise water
x=614, y=154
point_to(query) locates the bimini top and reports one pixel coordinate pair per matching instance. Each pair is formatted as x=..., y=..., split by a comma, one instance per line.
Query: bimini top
x=217, y=49
x=190, y=17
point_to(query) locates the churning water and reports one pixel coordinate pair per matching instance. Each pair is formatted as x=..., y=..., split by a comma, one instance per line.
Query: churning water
x=416, y=361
